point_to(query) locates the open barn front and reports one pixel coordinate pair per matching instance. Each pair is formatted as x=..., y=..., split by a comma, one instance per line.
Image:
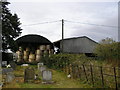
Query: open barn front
x=31, y=48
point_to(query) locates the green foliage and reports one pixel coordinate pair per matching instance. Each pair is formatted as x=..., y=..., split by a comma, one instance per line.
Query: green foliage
x=10, y=28
x=108, y=49
x=59, y=61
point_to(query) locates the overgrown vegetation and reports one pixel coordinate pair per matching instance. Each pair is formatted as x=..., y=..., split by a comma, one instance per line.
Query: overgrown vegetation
x=60, y=80
x=107, y=57
x=108, y=50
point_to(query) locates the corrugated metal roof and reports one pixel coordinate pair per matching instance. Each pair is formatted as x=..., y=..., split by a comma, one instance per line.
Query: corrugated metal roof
x=75, y=38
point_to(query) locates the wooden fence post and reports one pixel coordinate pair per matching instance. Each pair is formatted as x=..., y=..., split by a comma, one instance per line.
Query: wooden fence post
x=72, y=71
x=65, y=68
x=85, y=72
x=115, y=78
x=78, y=74
x=79, y=71
x=101, y=71
x=91, y=74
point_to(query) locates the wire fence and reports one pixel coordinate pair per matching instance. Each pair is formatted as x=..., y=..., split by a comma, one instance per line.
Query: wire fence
x=97, y=76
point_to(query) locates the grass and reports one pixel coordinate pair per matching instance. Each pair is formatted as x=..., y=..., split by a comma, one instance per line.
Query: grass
x=61, y=81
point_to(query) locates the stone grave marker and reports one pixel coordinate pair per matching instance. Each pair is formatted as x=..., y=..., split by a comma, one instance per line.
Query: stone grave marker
x=29, y=74
x=7, y=70
x=41, y=69
x=47, y=76
x=39, y=65
x=13, y=65
x=9, y=77
x=4, y=63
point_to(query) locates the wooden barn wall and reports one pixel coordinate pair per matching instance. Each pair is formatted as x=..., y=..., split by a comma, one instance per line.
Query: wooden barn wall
x=79, y=45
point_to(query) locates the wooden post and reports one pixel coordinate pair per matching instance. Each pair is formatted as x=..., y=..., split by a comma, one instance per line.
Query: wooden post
x=115, y=78
x=102, y=78
x=79, y=72
x=73, y=68
x=91, y=74
x=69, y=69
x=85, y=72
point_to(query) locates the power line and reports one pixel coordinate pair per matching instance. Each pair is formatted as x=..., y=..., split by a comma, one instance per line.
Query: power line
x=92, y=24
x=40, y=23
x=70, y=22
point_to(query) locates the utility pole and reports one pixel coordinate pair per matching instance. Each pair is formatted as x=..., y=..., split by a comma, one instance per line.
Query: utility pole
x=62, y=34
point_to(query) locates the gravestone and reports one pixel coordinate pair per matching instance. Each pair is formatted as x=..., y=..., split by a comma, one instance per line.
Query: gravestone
x=4, y=63
x=29, y=74
x=9, y=77
x=47, y=76
x=41, y=69
x=7, y=70
x=39, y=65
x=13, y=65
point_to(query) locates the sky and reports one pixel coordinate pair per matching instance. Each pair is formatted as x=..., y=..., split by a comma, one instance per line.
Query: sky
x=96, y=20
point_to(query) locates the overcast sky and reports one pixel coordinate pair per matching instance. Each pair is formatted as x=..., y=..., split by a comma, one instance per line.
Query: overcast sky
x=78, y=18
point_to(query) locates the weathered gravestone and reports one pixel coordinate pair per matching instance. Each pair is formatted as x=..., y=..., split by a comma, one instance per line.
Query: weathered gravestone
x=39, y=65
x=9, y=77
x=41, y=69
x=13, y=65
x=7, y=70
x=47, y=76
x=29, y=75
x=4, y=63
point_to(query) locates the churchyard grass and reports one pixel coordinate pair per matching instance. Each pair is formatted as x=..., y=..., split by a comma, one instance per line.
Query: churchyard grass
x=60, y=80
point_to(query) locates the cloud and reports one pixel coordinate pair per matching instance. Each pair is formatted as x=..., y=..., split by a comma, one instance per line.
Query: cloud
x=93, y=12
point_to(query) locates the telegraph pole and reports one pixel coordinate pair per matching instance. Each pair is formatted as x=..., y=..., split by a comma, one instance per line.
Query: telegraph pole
x=62, y=34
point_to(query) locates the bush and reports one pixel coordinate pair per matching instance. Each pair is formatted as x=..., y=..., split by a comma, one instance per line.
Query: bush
x=58, y=61
x=108, y=50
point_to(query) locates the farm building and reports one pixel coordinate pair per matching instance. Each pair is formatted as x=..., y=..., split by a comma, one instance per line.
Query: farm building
x=76, y=45
x=32, y=47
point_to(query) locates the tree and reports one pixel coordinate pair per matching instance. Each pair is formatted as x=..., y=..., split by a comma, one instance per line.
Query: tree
x=108, y=49
x=10, y=28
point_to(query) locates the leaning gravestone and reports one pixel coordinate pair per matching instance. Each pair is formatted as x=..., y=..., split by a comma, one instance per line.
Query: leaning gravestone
x=47, y=76
x=29, y=74
x=9, y=77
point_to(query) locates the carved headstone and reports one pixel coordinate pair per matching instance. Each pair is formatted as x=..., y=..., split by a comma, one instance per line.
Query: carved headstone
x=29, y=74
x=47, y=75
x=9, y=77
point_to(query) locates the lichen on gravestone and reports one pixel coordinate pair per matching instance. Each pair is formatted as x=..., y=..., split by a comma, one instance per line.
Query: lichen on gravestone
x=29, y=74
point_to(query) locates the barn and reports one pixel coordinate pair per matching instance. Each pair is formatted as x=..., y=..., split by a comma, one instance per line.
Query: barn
x=32, y=47
x=77, y=45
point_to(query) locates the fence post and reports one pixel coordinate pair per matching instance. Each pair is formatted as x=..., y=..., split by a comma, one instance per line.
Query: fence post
x=115, y=77
x=79, y=71
x=101, y=71
x=91, y=74
x=78, y=76
x=85, y=72
x=65, y=66
x=69, y=69
x=72, y=71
